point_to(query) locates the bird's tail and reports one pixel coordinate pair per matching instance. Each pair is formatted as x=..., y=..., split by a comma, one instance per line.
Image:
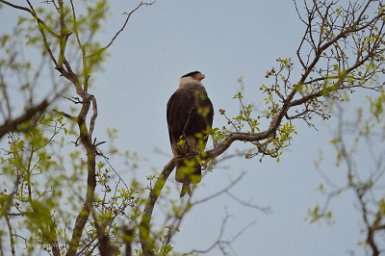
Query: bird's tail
x=188, y=172
x=185, y=189
x=184, y=173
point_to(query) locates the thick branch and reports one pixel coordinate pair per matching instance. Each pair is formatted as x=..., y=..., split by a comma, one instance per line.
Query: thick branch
x=12, y=125
x=144, y=229
x=84, y=213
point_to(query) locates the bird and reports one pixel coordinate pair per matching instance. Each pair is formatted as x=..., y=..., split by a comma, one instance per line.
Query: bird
x=190, y=116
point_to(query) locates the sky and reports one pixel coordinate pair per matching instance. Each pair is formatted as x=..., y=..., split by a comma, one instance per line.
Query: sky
x=225, y=40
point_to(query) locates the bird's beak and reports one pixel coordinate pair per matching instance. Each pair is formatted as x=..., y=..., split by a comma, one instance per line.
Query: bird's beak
x=203, y=76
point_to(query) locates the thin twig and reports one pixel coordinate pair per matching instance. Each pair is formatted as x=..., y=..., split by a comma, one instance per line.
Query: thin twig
x=129, y=14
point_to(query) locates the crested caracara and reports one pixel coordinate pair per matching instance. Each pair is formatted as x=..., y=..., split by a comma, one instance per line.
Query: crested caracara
x=189, y=118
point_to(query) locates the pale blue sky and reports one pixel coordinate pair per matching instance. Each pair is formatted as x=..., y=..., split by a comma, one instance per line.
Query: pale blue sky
x=225, y=39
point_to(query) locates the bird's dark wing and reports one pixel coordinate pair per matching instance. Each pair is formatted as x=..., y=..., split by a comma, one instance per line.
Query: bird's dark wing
x=179, y=107
x=201, y=116
x=189, y=116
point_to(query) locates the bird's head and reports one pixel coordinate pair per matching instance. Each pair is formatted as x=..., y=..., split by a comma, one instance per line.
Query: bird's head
x=195, y=75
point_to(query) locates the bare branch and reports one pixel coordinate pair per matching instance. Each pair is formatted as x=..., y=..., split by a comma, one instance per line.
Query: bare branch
x=12, y=125
x=129, y=14
x=221, y=243
x=19, y=7
x=364, y=189
x=220, y=192
x=248, y=204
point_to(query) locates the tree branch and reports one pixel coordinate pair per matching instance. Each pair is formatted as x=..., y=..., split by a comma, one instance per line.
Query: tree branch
x=19, y=7
x=83, y=215
x=122, y=28
x=12, y=125
x=144, y=227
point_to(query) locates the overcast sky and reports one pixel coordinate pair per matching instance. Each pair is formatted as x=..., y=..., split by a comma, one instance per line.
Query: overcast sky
x=226, y=40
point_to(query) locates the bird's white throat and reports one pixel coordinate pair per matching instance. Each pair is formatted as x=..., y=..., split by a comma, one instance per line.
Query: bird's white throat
x=188, y=79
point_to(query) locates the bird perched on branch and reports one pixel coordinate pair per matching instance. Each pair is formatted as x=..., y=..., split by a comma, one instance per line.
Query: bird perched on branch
x=189, y=118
